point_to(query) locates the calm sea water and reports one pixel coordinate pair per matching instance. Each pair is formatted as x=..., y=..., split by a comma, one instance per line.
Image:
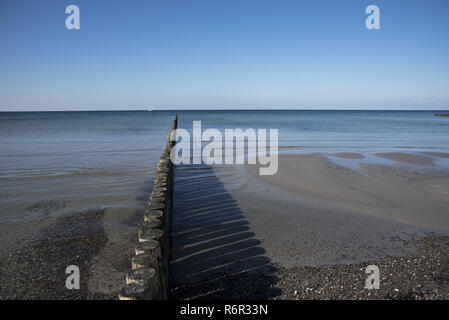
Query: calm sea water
x=337, y=130
x=52, y=163
x=56, y=163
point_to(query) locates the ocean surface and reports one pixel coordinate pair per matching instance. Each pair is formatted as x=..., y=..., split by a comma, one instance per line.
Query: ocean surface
x=55, y=163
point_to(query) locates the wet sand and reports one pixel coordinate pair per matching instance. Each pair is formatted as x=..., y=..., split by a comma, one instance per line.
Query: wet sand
x=349, y=155
x=315, y=212
x=307, y=233
x=415, y=159
x=437, y=154
x=36, y=269
x=35, y=254
x=214, y=252
x=413, y=197
x=321, y=225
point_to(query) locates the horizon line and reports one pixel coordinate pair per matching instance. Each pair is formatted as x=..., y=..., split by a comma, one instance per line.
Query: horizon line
x=223, y=109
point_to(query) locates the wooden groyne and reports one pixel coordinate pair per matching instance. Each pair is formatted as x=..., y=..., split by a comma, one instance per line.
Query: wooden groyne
x=441, y=114
x=148, y=279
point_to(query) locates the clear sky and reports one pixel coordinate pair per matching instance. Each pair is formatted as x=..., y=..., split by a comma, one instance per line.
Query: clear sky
x=177, y=54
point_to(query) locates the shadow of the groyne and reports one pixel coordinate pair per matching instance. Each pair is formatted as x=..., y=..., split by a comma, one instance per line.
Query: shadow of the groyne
x=214, y=255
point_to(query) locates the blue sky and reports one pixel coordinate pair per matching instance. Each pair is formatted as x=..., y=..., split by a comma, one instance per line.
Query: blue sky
x=224, y=54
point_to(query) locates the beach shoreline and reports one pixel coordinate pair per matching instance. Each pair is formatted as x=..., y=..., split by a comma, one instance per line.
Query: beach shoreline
x=336, y=210
x=315, y=248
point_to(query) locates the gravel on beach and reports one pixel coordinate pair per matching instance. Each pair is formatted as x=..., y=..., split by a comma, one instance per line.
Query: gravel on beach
x=422, y=275
x=38, y=270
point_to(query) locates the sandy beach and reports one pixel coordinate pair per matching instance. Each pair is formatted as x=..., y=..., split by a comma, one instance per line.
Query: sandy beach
x=321, y=224
x=415, y=197
x=309, y=231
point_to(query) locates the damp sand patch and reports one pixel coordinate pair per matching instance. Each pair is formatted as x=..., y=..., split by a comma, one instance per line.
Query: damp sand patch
x=408, y=158
x=436, y=154
x=349, y=155
x=37, y=270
